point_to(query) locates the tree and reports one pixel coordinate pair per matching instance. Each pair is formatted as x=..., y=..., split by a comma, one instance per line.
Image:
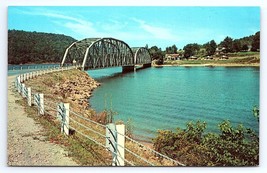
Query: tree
x=244, y=47
x=256, y=42
x=227, y=43
x=191, y=49
x=210, y=47
x=171, y=50
x=236, y=46
x=156, y=54
x=36, y=47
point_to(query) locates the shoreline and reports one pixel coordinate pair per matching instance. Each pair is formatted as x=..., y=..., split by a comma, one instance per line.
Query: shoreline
x=208, y=65
x=75, y=90
x=73, y=86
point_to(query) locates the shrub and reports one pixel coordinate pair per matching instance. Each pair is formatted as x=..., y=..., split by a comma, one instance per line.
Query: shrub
x=191, y=146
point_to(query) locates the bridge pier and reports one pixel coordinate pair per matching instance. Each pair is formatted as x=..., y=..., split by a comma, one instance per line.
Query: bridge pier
x=147, y=65
x=128, y=68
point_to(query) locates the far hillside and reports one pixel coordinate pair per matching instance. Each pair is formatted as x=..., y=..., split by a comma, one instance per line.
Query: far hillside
x=243, y=47
x=36, y=47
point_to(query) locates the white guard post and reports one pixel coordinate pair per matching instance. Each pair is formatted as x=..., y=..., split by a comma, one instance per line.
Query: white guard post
x=41, y=102
x=121, y=141
x=63, y=115
x=115, y=143
x=29, y=96
x=111, y=138
x=23, y=90
x=66, y=119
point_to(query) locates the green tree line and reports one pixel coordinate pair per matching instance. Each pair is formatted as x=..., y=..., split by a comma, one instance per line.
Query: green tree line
x=35, y=47
x=228, y=45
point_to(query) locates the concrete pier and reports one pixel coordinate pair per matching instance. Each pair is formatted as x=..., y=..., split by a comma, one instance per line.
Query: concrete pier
x=146, y=65
x=126, y=69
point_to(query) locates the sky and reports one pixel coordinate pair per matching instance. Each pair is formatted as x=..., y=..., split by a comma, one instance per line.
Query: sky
x=138, y=26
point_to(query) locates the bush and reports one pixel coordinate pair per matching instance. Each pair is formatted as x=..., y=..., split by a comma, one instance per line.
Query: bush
x=191, y=146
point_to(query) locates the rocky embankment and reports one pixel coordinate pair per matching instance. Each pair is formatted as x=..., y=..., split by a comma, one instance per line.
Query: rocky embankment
x=77, y=90
x=72, y=86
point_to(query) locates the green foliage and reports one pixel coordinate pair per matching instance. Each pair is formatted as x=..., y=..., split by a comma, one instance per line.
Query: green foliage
x=227, y=44
x=34, y=47
x=156, y=54
x=191, y=49
x=171, y=50
x=256, y=113
x=241, y=44
x=108, y=111
x=236, y=46
x=244, y=47
x=256, y=42
x=210, y=47
x=191, y=146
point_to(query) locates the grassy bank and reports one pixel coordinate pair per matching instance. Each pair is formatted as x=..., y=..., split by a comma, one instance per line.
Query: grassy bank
x=84, y=152
x=234, y=59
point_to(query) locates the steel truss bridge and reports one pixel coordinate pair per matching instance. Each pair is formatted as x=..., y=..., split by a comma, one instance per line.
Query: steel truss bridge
x=93, y=53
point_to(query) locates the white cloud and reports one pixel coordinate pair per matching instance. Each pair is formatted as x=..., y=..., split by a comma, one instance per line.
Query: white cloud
x=156, y=31
x=78, y=25
x=113, y=25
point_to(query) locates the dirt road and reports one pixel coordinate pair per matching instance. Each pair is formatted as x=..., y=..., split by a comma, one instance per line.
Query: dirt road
x=26, y=142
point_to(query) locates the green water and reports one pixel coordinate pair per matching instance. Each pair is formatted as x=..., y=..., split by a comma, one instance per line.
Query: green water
x=169, y=97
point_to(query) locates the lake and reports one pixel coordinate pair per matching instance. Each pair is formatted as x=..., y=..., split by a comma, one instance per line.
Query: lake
x=169, y=97
x=26, y=68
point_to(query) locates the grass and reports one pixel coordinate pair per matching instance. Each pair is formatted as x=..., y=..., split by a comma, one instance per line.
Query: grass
x=84, y=152
x=243, y=54
x=240, y=58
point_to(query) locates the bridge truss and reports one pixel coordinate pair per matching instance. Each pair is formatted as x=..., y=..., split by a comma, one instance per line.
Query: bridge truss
x=94, y=53
x=141, y=55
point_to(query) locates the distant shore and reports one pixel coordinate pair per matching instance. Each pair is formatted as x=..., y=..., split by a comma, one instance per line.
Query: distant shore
x=250, y=59
x=209, y=65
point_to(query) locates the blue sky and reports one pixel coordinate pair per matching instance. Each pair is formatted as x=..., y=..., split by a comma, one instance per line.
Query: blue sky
x=138, y=26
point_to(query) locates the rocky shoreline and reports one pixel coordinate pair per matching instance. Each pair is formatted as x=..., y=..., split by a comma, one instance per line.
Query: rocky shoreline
x=77, y=90
x=72, y=86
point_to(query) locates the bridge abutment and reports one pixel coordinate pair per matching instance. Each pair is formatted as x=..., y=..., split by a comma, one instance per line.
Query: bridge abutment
x=128, y=68
x=147, y=65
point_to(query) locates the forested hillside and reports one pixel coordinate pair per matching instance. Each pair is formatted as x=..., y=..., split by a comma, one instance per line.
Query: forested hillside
x=35, y=47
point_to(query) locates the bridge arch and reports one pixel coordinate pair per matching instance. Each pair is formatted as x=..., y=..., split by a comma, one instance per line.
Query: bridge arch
x=99, y=53
x=92, y=53
x=141, y=55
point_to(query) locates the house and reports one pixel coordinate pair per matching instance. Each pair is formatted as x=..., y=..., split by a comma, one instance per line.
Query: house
x=192, y=58
x=209, y=57
x=172, y=57
x=219, y=51
x=224, y=57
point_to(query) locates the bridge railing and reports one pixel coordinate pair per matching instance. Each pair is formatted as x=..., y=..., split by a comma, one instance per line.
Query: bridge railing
x=125, y=151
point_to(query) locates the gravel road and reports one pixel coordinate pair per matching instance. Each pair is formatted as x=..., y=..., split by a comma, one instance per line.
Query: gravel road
x=26, y=141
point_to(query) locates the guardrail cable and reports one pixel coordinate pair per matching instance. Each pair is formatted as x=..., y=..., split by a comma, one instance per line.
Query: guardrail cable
x=87, y=127
x=162, y=155
x=86, y=119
